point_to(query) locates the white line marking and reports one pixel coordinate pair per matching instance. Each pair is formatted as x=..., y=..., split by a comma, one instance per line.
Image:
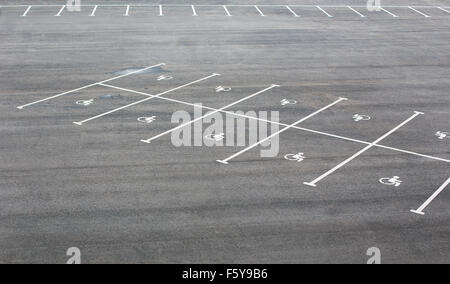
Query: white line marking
x=194, y=12
x=425, y=205
x=208, y=114
x=227, y=11
x=88, y=86
x=292, y=11
x=421, y=13
x=392, y=14
x=26, y=12
x=357, y=12
x=141, y=101
x=218, y=5
x=413, y=153
x=326, y=13
x=161, y=13
x=93, y=11
x=295, y=127
x=259, y=10
x=314, y=182
x=281, y=131
x=440, y=8
x=60, y=11
x=127, y=12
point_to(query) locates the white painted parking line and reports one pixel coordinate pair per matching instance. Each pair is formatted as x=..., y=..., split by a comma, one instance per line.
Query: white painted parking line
x=314, y=182
x=259, y=10
x=94, y=10
x=432, y=197
x=292, y=11
x=281, y=131
x=194, y=12
x=440, y=8
x=161, y=13
x=392, y=14
x=60, y=11
x=413, y=153
x=285, y=125
x=326, y=13
x=144, y=100
x=90, y=85
x=227, y=11
x=357, y=12
x=208, y=114
x=26, y=11
x=419, y=12
x=127, y=12
x=229, y=5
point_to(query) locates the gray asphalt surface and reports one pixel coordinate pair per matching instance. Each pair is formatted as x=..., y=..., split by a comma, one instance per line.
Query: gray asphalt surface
x=98, y=188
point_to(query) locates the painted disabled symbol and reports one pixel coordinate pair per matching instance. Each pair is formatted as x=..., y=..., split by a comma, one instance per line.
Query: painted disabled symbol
x=215, y=137
x=148, y=119
x=164, y=78
x=222, y=89
x=85, y=102
x=295, y=157
x=442, y=135
x=361, y=117
x=285, y=102
x=393, y=181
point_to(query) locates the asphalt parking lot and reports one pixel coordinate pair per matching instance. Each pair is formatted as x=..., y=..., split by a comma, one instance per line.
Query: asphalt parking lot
x=370, y=90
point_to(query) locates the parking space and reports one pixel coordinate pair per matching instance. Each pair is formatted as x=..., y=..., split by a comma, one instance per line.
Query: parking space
x=384, y=175
x=113, y=11
x=11, y=12
x=281, y=11
x=359, y=122
x=289, y=103
x=428, y=134
x=310, y=12
x=212, y=11
x=244, y=11
x=143, y=121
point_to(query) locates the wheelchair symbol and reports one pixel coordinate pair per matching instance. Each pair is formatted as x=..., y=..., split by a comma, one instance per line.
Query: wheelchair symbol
x=215, y=137
x=222, y=89
x=164, y=77
x=85, y=102
x=442, y=135
x=393, y=181
x=360, y=117
x=295, y=157
x=149, y=119
x=287, y=102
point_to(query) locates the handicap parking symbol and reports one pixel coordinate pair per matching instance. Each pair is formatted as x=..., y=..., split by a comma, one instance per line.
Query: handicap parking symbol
x=222, y=89
x=285, y=102
x=164, y=77
x=442, y=135
x=361, y=117
x=85, y=102
x=393, y=181
x=148, y=119
x=299, y=157
x=215, y=137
